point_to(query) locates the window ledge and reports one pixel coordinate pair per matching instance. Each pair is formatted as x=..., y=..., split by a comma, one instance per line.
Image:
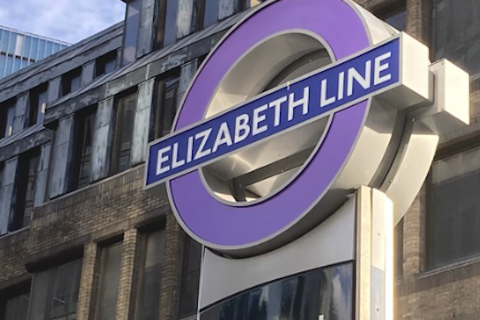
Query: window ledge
x=449, y=267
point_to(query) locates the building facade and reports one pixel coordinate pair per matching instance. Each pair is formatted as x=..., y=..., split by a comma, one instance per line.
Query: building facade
x=80, y=239
x=20, y=49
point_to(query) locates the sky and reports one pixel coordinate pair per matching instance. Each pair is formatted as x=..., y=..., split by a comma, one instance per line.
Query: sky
x=66, y=20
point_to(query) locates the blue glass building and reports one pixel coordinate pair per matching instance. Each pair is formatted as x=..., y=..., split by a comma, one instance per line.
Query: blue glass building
x=20, y=49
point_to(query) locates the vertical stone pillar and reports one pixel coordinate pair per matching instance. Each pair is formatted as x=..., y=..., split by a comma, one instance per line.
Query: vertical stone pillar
x=147, y=27
x=171, y=269
x=88, y=282
x=7, y=200
x=62, y=156
x=102, y=140
x=141, y=126
x=128, y=282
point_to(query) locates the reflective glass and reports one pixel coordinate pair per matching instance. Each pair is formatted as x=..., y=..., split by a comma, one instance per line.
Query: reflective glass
x=398, y=20
x=12, y=43
x=5, y=41
x=17, y=307
x=9, y=65
x=456, y=28
x=3, y=62
x=210, y=16
x=453, y=212
x=326, y=292
x=170, y=31
x=41, y=49
x=109, y=282
x=26, y=46
x=56, y=47
x=132, y=24
x=17, y=64
x=34, y=49
x=49, y=48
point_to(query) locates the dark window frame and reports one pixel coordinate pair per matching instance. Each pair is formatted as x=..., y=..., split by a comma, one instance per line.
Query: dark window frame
x=69, y=79
x=11, y=293
x=17, y=221
x=35, y=108
x=102, y=62
x=6, y=108
x=185, y=273
x=119, y=129
x=81, y=119
x=167, y=85
x=123, y=60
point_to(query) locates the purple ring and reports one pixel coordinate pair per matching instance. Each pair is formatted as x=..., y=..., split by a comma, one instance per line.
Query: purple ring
x=219, y=225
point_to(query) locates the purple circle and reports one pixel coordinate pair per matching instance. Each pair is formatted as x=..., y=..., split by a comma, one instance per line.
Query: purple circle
x=222, y=226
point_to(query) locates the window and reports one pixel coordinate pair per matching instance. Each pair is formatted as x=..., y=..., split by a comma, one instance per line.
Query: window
x=55, y=292
x=395, y=15
x=106, y=64
x=25, y=193
x=14, y=306
x=149, y=291
x=109, y=282
x=38, y=104
x=164, y=113
x=167, y=25
x=71, y=81
x=207, y=13
x=7, y=114
x=190, y=278
x=456, y=33
x=398, y=247
x=125, y=116
x=453, y=212
x=132, y=24
x=84, y=130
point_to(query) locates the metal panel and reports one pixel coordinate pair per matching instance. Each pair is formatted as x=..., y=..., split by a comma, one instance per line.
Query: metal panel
x=7, y=192
x=21, y=116
x=62, y=147
x=226, y=277
x=142, y=119
x=102, y=139
x=42, y=175
x=147, y=28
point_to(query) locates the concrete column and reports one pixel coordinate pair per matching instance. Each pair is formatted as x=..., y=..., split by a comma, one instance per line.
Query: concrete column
x=186, y=17
x=21, y=113
x=88, y=73
x=142, y=119
x=54, y=89
x=227, y=8
x=42, y=175
x=147, y=28
x=127, y=292
x=102, y=140
x=62, y=156
x=7, y=185
x=88, y=282
x=171, y=269
x=187, y=73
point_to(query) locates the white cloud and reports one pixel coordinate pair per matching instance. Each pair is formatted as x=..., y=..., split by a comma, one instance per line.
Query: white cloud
x=67, y=20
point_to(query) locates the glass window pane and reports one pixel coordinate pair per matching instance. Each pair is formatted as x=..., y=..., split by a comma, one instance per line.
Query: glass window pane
x=3, y=63
x=190, y=278
x=65, y=291
x=170, y=31
x=17, y=62
x=85, y=130
x=17, y=307
x=456, y=30
x=9, y=66
x=132, y=24
x=41, y=49
x=453, y=216
x=41, y=281
x=398, y=20
x=149, y=297
x=125, y=118
x=210, y=16
x=5, y=41
x=49, y=48
x=34, y=49
x=109, y=281
x=12, y=43
x=26, y=46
